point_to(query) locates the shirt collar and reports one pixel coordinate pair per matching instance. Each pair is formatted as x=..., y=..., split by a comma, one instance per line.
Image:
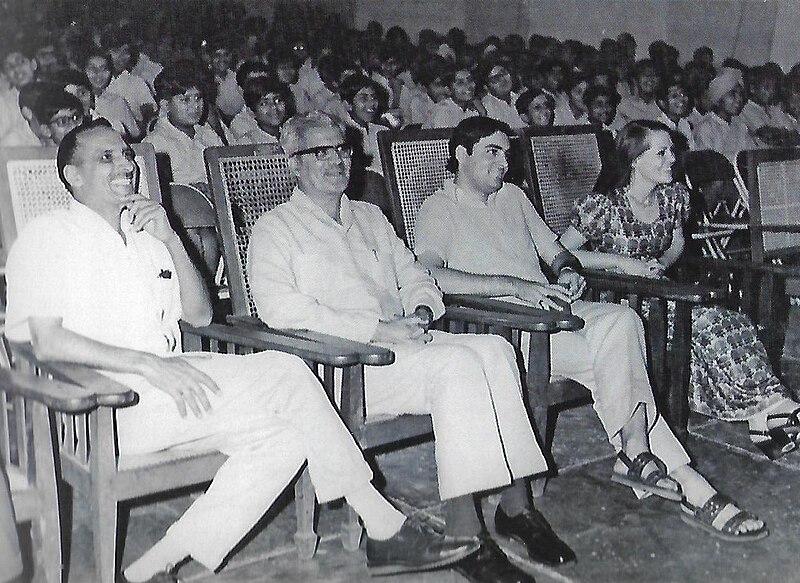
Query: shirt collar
x=91, y=219
x=461, y=196
x=301, y=199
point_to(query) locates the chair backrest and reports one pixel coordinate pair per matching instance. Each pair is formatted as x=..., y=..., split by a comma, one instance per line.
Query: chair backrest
x=773, y=177
x=246, y=181
x=30, y=186
x=414, y=166
x=563, y=164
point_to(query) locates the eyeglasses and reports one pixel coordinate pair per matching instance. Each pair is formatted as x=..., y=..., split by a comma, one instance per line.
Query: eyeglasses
x=271, y=100
x=328, y=153
x=65, y=120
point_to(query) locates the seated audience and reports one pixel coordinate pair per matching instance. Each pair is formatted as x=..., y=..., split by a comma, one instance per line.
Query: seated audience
x=59, y=113
x=20, y=69
x=77, y=84
x=764, y=118
x=457, y=239
x=323, y=262
x=601, y=106
x=245, y=121
x=461, y=103
x=417, y=102
x=266, y=412
x=637, y=228
x=573, y=110
x=98, y=69
x=673, y=100
x=35, y=133
x=181, y=90
x=270, y=103
x=536, y=108
x=498, y=99
x=641, y=105
x=229, y=99
x=722, y=128
x=286, y=68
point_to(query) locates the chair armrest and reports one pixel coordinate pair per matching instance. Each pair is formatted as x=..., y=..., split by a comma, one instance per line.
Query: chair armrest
x=321, y=348
x=107, y=392
x=55, y=395
x=490, y=311
x=661, y=288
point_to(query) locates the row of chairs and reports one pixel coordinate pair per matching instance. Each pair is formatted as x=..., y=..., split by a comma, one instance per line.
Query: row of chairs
x=246, y=181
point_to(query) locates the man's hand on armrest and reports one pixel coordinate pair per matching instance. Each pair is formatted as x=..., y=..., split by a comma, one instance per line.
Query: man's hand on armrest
x=175, y=376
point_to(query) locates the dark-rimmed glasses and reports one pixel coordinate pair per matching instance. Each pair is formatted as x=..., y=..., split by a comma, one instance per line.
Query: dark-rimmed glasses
x=328, y=153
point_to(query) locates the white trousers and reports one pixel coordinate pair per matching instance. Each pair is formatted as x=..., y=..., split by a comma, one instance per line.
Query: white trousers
x=271, y=416
x=608, y=357
x=470, y=384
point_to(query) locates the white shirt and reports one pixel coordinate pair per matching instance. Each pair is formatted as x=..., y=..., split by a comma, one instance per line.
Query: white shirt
x=135, y=91
x=72, y=264
x=308, y=271
x=447, y=114
x=682, y=126
x=502, y=110
x=185, y=153
x=714, y=133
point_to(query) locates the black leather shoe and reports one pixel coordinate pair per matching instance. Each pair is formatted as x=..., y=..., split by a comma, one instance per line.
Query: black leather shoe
x=416, y=548
x=533, y=531
x=490, y=565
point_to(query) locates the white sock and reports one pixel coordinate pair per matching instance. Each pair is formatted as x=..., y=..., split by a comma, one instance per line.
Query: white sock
x=381, y=519
x=164, y=554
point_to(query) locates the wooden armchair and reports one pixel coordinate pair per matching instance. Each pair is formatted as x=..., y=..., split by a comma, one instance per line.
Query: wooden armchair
x=87, y=442
x=27, y=455
x=563, y=165
x=414, y=164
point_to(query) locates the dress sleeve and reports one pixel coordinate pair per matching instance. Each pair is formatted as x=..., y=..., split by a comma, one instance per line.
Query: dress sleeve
x=590, y=216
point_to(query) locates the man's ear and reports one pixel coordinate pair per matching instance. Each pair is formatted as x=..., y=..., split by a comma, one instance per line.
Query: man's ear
x=72, y=175
x=294, y=165
x=26, y=113
x=461, y=155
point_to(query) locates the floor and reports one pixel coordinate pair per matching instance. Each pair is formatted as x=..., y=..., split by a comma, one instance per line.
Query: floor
x=616, y=537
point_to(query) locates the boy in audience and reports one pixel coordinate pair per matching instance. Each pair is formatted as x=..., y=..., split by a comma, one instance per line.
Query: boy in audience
x=573, y=111
x=601, y=106
x=536, y=108
x=286, y=68
x=673, y=100
x=417, y=102
x=58, y=113
x=642, y=105
x=134, y=90
x=20, y=69
x=270, y=103
x=181, y=90
x=495, y=77
x=244, y=122
x=762, y=115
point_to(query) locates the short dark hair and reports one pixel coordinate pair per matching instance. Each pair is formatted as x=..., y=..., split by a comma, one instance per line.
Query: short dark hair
x=251, y=68
x=469, y=132
x=51, y=102
x=69, y=145
x=70, y=77
x=524, y=101
x=355, y=83
x=255, y=89
x=594, y=91
x=180, y=77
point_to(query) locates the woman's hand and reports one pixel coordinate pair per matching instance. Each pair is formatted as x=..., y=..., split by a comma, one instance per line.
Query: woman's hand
x=632, y=266
x=539, y=295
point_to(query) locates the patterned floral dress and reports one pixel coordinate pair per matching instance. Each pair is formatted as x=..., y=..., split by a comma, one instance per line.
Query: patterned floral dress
x=731, y=376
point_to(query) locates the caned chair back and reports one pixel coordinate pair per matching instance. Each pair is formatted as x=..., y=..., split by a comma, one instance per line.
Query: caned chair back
x=30, y=186
x=246, y=181
x=563, y=164
x=414, y=165
x=773, y=177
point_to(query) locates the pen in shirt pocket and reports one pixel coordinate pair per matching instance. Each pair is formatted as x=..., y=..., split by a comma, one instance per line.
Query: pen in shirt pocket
x=375, y=253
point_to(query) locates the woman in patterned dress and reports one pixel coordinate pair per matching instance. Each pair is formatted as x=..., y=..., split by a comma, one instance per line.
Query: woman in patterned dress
x=637, y=228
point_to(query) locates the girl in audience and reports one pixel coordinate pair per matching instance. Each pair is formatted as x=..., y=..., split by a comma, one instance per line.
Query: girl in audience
x=637, y=228
x=97, y=67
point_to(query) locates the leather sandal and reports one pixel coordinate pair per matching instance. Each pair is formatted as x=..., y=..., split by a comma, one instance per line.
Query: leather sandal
x=790, y=428
x=649, y=483
x=705, y=518
x=776, y=445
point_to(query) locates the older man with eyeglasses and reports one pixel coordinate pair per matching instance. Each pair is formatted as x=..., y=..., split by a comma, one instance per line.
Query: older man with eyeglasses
x=323, y=262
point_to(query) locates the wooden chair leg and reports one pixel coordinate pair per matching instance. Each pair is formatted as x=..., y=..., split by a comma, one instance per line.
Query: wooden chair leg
x=305, y=538
x=540, y=420
x=47, y=529
x=104, y=531
x=351, y=531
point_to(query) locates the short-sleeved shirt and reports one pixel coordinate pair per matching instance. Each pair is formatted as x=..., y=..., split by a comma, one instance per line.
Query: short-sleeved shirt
x=714, y=133
x=503, y=111
x=504, y=236
x=185, y=153
x=134, y=90
x=72, y=264
x=447, y=114
x=608, y=224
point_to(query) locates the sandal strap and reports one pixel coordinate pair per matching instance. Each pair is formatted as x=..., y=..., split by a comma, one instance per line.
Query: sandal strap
x=792, y=419
x=712, y=508
x=637, y=465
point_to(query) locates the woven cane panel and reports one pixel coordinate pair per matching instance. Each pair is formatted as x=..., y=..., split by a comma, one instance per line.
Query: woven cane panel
x=253, y=186
x=567, y=167
x=778, y=184
x=420, y=170
x=36, y=189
